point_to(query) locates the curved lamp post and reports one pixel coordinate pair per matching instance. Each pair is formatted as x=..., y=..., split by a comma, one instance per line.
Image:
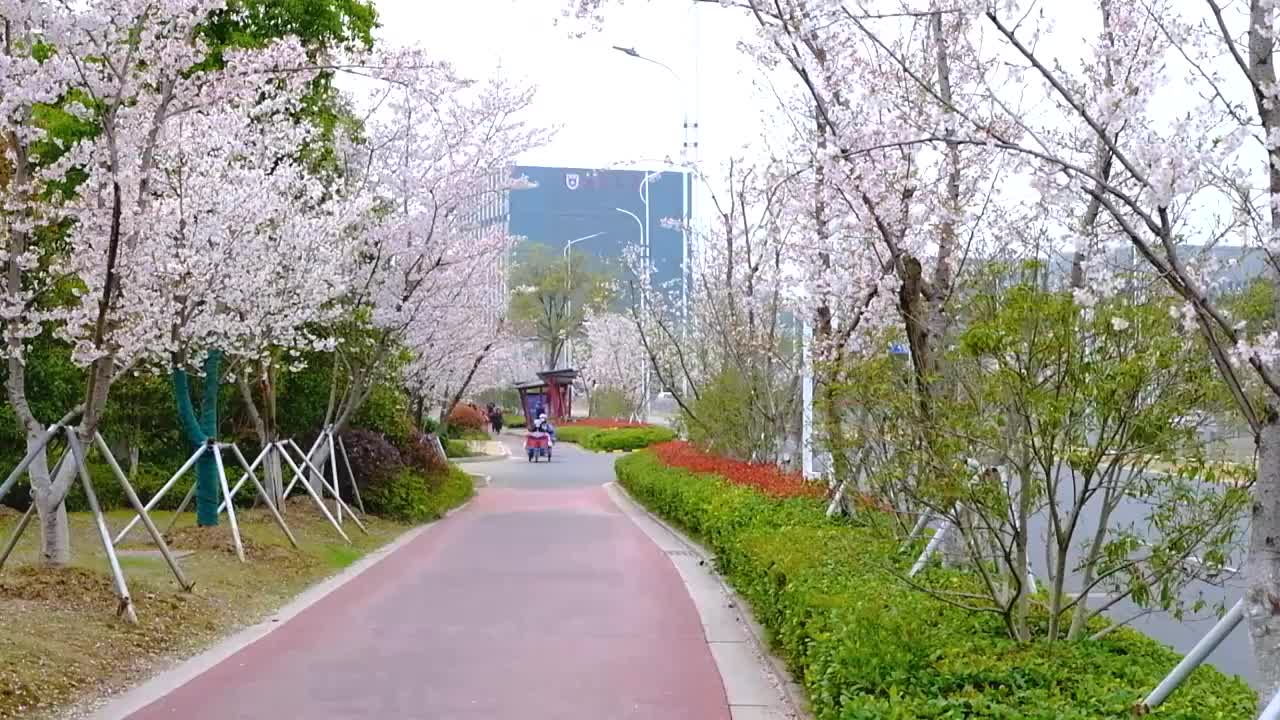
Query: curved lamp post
x=643, y=295
x=568, y=282
x=689, y=140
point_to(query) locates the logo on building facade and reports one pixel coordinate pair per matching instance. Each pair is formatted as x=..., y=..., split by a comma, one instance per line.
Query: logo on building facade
x=571, y=181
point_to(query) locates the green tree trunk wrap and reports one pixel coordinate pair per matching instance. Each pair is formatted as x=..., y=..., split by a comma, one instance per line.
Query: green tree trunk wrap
x=198, y=431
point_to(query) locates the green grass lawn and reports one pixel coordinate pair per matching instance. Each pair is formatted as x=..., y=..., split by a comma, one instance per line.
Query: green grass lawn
x=60, y=640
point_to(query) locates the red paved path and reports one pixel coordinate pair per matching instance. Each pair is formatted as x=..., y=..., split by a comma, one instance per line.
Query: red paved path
x=528, y=605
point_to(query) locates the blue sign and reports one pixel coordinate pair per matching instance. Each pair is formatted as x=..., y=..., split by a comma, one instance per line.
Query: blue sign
x=899, y=349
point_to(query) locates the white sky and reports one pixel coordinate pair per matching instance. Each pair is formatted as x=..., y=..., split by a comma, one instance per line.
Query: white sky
x=610, y=108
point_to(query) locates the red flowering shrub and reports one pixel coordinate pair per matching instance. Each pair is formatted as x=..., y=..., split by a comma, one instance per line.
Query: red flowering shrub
x=419, y=453
x=767, y=478
x=468, y=417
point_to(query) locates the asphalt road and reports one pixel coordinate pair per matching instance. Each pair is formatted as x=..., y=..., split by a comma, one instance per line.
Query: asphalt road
x=539, y=601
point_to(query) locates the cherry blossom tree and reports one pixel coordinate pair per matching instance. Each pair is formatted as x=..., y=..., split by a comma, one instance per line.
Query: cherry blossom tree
x=246, y=257
x=126, y=70
x=741, y=373
x=615, y=357
x=456, y=340
x=950, y=128
x=439, y=150
x=1204, y=168
x=1155, y=135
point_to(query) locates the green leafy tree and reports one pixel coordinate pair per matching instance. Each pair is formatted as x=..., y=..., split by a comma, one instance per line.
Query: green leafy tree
x=551, y=296
x=1061, y=416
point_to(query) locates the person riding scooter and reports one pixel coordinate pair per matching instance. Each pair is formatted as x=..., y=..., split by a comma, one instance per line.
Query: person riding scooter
x=540, y=439
x=542, y=424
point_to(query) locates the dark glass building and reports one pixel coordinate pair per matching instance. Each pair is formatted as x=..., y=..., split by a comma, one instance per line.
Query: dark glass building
x=572, y=203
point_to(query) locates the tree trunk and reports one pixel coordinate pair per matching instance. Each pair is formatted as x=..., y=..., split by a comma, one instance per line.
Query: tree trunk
x=955, y=553
x=1262, y=569
x=466, y=384
x=55, y=535
x=1019, y=575
x=1080, y=619
x=420, y=411
x=265, y=429
x=1262, y=596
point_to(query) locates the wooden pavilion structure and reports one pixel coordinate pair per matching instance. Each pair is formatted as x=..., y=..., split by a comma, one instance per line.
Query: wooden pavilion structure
x=552, y=392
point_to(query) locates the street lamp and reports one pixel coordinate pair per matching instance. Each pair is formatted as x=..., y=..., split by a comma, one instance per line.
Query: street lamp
x=684, y=147
x=570, y=244
x=644, y=244
x=689, y=140
x=644, y=197
x=568, y=282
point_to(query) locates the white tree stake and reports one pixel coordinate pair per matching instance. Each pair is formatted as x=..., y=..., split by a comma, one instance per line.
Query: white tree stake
x=249, y=471
x=297, y=471
x=332, y=491
x=29, y=458
x=333, y=465
x=262, y=491
x=226, y=494
x=160, y=494
x=354, y=486
x=145, y=516
x=125, y=608
x=17, y=534
x=929, y=549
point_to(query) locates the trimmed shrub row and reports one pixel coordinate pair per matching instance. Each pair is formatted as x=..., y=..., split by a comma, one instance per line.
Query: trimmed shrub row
x=576, y=434
x=610, y=439
x=867, y=647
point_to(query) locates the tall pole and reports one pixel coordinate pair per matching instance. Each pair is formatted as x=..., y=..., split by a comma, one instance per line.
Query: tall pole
x=644, y=291
x=642, y=243
x=689, y=155
x=568, y=289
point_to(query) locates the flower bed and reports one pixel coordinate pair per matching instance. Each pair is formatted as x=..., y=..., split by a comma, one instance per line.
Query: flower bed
x=767, y=478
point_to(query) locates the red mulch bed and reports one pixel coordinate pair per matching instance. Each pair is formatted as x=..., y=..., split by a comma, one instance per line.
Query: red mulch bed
x=765, y=477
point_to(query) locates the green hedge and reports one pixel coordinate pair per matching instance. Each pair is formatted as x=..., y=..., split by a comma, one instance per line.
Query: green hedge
x=866, y=647
x=611, y=439
x=411, y=497
x=576, y=434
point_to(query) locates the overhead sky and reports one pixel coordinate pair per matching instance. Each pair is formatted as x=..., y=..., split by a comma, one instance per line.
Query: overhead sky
x=611, y=109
